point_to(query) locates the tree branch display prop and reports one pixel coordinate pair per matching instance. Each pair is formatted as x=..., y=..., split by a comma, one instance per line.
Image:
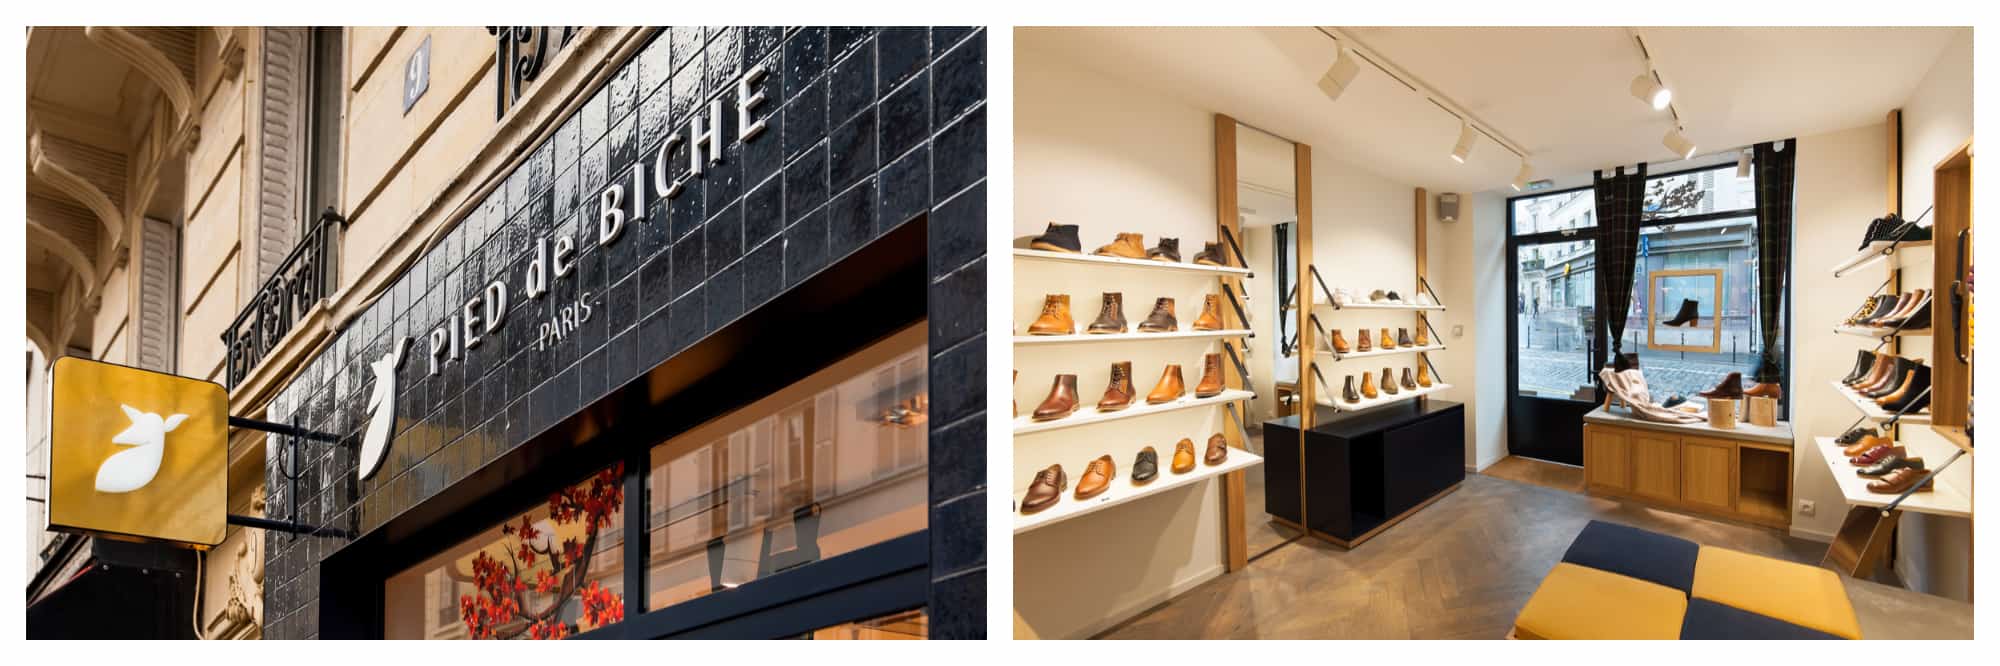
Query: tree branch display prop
x=501, y=608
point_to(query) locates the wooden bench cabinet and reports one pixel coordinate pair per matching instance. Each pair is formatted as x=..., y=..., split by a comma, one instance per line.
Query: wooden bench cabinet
x=1742, y=474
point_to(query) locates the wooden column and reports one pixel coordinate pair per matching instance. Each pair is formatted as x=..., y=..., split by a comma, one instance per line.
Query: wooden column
x=1236, y=549
x=1422, y=209
x=1308, y=390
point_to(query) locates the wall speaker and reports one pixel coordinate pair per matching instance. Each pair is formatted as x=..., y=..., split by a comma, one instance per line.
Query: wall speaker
x=1448, y=206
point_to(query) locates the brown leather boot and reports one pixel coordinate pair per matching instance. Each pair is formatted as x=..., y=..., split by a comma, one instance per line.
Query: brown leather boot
x=1339, y=343
x=1883, y=364
x=1211, y=314
x=1170, y=388
x=1218, y=450
x=1764, y=390
x=1900, y=480
x=1118, y=394
x=1096, y=477
x=1389, y=382
x=1162, y=319
x=1045, y=490
x=1403, y=337
x=1167, y=250
x=1424, y=375
x=1409, y=381
x=1731, y=388
x=1110, y=315
x=1061, y=401
x=1183, y=456
x=1348, y=393
x=1211, y=255
x=1387, y=342
x=1127, y=246
x=1368, y=386
x=1211, y=377
x=1055, y=318
x=1361, y=340
x=1423, y=336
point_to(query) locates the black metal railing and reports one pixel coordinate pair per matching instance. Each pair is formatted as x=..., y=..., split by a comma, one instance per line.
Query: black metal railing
x=307, y=275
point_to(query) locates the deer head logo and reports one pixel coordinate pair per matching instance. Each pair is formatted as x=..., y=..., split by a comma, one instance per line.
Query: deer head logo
x=381, y=410
x=133, y=468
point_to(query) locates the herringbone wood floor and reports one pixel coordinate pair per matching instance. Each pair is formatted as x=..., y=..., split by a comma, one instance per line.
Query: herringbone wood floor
x=1461, y=568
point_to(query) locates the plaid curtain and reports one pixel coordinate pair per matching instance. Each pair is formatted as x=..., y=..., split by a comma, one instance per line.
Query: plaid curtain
x=1620, y=200
x=1774, y=161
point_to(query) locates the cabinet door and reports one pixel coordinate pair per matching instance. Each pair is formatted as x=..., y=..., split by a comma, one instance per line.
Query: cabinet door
x=1656, y=462
x=1706, y=473
x=1607, y=460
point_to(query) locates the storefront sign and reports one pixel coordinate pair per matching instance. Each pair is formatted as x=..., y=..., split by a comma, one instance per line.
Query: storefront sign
x=619, y=205
x=137, y=454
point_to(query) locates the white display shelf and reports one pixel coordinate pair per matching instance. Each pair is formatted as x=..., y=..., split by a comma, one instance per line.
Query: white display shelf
x=1122, y=489
x=1873, y=411
x=1380, y=352
x=1331, y=398
x=1091, y=259
x=1126, y=337
x=1879, y=332
x=1941, y=499
x=1407, y=307
x=1873, y=253
x=1089, y=415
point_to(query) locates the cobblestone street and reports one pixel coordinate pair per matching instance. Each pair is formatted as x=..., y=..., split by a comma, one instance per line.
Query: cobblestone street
x=1559, y=373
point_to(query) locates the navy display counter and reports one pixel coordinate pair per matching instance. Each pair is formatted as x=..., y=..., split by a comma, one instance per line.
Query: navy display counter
x=1362, y=471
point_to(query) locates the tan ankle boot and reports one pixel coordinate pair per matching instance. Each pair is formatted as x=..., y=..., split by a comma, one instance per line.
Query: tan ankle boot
x=1339, y=343
x=1170, y=388
x=1387, y=342
x=1128, y=246
x=1423, y=336
x=1368, y=386
x=1211, y=314
x=1424, y=375
x=1055, y=318
x=1211, y=377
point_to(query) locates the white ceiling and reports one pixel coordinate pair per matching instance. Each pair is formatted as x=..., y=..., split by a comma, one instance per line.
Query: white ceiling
x=1559, y=93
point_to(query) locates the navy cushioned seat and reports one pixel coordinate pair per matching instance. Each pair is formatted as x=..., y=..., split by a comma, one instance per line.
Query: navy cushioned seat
x=1710, y=621
x=1630, y=551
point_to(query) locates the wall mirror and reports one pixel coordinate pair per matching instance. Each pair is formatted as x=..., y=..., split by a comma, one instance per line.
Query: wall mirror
x=1682, y=310
x=1267, y=216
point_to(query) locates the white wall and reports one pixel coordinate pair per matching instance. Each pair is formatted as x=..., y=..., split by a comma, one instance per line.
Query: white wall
x=1468, y=264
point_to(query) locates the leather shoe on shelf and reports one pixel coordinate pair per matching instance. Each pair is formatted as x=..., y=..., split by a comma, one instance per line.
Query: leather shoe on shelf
x=1096, y=477
x=1146, y=466
x=1389, y=382
x=1055, y=319
x=1863, y=361
x=1061, y=401
x=1162, y=318
x=1127, y=246
x=1890, y=382
x=1211, y=377
x=1168, y=250
x=1876, y=371
x=1348, y=393
x=1339, y=343
x=1361, y=340
x=1210, y=255
x=1423, y=336
x=1110, y=315
x=1731, y=388
x=1403, y=338
x=1368, y=386
x=1170, y=388
x=1211, y=314
x=1917, y=320
x=1424, y=375
x=1387, y=342
x=1900, y=480
x=1890, y=464
x=1855, y=435
x=1118, y=393
x=1409, y=380
x=1218, y=450
x=1764, y=390
x=1914, y=396
x=1184, y=456
x=1046, y=489
x=1058, y=238
x=1877, y=454
x=1394, y=297
x=1865, y=443
x=1378, y=297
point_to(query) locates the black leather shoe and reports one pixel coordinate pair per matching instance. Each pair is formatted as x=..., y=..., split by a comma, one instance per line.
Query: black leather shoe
x=1890, y=464
x=1863, y=360
x=1348, y=393
x=1873, y=233
x=1168, y=249
x=1147, y=466
x=1856, y=434
x=1059, y=238
x=1211, y=255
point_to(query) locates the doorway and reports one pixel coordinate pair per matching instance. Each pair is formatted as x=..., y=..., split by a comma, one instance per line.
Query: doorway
x=1551, y=378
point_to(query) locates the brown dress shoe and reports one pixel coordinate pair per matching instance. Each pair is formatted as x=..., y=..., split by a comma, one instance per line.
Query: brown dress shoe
x=1423, y=337
x=1211, y=255
x=1339, y=343
x=1218, y=450
x=1170, y=388
x=1211, y=314
x=1883, y=364
x=1900, y=480
x=1403, y=337
x=1731, y=388
x=1096, y=477
x=1878, y=454
x=1389, y=382
x=1424, y=375
x=1764, y=390
x=1184, y=456
x=1110, y=315
x=1061, y=401
x=1211, y=377
x=1128, y=246
x=1119, y=393
x=1866, y=443
x=1045, y=490
x=1055, y=318
x=1368, y=386
x=1162, y=319
x=1387, y=342
x=1409, y=380
x=1361, y=338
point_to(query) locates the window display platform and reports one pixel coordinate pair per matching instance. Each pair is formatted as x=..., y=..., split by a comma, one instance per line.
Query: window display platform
x=1088, y=415
x=1123, y=490
x=1941, y=499
x=1361, y=473
x=1743, y=473
x=1081, y=338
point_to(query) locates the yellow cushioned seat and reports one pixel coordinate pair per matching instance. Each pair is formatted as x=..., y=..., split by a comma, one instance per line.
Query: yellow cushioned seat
x=1577, y=602
x=1801, y=594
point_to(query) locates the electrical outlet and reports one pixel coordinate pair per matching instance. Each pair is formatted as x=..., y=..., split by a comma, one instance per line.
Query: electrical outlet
x=1458, y=330
x=1806, y=507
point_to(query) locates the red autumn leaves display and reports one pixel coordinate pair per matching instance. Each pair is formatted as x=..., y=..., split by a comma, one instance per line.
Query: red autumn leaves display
x=499, y=610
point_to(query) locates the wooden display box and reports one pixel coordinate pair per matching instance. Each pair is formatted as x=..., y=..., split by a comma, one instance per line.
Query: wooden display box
x=1363, y=471
x=1743, y=474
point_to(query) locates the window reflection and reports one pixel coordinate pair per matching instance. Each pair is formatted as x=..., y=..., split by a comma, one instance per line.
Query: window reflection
x=831, y=464
x=910, y=625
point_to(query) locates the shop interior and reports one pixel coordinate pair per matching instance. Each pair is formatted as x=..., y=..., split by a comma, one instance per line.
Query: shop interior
x=1309, y=342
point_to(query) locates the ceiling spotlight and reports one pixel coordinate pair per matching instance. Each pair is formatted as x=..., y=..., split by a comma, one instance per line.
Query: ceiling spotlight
x=1743, y=165
x=1337, y=77
x=1464, y=147
x=1678, y=143
x=1521, y=179
x=1651, y=92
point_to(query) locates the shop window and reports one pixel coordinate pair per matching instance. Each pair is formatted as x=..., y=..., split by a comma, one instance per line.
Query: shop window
x=905, y=626
x=1561, y=211
x=553, y=571
x=831, y=464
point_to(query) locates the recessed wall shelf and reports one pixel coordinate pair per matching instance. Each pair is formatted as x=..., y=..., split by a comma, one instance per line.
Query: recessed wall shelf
x=1146, y=264
x=1331, y=398
x=1089, y=415
x=1873, y=411
x=1379, y=352
x=1080, y=338
x=1123, y=490
x=1941, y=499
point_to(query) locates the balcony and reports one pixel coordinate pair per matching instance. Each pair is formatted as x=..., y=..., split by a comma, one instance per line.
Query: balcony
x=307, y=275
